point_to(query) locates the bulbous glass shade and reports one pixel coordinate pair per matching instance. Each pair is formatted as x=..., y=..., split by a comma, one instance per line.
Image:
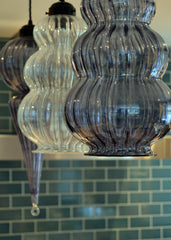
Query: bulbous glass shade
x=120, y=106
x=49, y=75
x=13, y=57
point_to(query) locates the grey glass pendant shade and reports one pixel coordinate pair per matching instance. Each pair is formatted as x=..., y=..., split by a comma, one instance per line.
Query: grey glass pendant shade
x=13, y=57
x=121, y=106
x=33, y=161
x=49, y=75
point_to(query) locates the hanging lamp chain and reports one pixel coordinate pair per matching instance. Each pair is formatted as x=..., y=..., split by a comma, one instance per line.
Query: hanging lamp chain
x=30, y=13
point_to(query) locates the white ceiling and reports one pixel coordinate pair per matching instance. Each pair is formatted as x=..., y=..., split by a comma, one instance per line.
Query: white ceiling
x=14, y=14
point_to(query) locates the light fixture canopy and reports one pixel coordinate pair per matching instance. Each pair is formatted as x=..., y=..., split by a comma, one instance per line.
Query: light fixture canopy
x=120, y=106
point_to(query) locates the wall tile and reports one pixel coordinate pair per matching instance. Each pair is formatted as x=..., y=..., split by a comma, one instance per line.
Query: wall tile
x=4, y=202
x=84, y=212
x=59, y=187
x=167, y=233
x=48, y=200
x=49, y=175
x=150, y=185
x=12, y=164
x=161, y=173
x=95, y=224
x=140, y=197
x=94, y=174
x=94, y=199
x=82, y=187
x=60, y=236
x=105, y=186
x=117, y=198
x=150, y=163
x=47, y=226
x=140, y=222
x=105, y=211
x=4, y=228
x=10, y=188
x=108, y=235
x=128, y=163
x=71, y=225
x=34, y=237
x=71, y=174
x=167, y=208
x=82, y=163
x=105, y=163
x=59, y=213
x=19, y=175
x=128, y=186
x=4, y=176
x=71, y=199
x=4, y=111
x=21, y=201
x=4, y=125
x=130, y=234
x=150, y=234
x=59, y=164
x=11, y=238
x=161, y=221
x=128, y=210
x=150, y=209
x=82, y=236
x=161, y=197
x=117, y=174
x=141, y=173
x=20, y=227
x=6, y=215
x=167, y=184
x=118, y=223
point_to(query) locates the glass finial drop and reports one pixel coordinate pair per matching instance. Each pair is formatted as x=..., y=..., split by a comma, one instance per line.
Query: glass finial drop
x=35, y=211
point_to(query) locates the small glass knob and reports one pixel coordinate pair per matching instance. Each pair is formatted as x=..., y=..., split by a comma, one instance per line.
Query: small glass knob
x=35, y=211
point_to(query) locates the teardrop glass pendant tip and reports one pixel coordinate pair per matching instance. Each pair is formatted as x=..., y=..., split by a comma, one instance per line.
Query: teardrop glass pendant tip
x=35, y=211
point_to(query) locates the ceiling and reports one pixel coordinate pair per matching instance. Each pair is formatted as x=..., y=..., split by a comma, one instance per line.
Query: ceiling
x=14, y=14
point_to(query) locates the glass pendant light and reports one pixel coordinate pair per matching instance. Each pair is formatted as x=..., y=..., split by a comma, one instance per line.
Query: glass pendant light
x=121, y=106
x=13, y=57
x=49, y=75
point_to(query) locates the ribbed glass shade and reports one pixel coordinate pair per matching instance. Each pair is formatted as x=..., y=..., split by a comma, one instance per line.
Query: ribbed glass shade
x=49, y=75
x=33, y=161
x=13, y=57
x=120, y=106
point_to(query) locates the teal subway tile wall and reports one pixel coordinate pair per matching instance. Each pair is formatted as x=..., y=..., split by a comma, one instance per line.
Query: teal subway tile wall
x=85, y=199
x=135, y=204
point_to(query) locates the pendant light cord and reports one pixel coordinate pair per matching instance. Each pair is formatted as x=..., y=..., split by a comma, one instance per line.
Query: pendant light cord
x=30, y=13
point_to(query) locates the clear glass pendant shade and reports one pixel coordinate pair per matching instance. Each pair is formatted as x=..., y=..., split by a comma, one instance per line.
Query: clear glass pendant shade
x=13, y=57
x=120, y=105
x=49, y=75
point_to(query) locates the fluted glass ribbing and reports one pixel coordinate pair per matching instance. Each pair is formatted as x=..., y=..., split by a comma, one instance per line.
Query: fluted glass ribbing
x=120, y=106
x=13, y=57
x=33, y=161
x=49, y=75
